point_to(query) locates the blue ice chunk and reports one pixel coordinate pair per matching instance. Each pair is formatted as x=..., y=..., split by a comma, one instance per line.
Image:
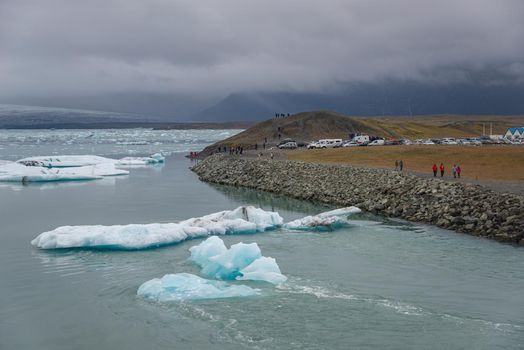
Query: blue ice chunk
x=186, y=286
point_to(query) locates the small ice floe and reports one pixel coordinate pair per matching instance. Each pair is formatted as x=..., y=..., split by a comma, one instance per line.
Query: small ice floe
x=186, y=286
x=241, y=262
x=327, y=221
x=156, y=158
x=141, y=236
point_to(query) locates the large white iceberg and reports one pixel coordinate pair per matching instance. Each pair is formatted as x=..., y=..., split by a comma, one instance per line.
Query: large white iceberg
x=66, y=161
x=14, y=172
x=241, y=261
x=185, y=286
x=327, y=221
x=137, y=236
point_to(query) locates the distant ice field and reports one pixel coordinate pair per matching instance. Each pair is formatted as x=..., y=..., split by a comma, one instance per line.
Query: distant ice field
x=16, y=144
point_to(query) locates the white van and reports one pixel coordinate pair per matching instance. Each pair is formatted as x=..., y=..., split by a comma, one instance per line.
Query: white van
x=360, y=139
x=329, y=143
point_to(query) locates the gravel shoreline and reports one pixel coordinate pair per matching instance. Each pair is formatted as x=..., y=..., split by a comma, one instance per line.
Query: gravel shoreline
x=457, y=206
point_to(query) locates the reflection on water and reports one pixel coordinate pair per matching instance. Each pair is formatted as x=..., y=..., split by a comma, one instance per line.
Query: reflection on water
x=269, y=201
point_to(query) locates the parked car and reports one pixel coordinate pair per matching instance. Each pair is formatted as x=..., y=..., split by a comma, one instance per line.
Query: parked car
x=448, y=141
x=313, y=145
x=377, y=142
x=351, y=144
x=288, y=145
x=284, y=141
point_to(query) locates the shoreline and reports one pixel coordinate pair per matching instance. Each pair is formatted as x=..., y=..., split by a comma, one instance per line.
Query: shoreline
x=459, y=206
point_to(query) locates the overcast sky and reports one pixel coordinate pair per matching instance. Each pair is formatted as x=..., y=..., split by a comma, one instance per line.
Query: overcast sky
x=200, y=47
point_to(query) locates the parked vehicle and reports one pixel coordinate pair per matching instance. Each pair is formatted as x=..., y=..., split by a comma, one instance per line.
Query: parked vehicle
x=377, y=142
x=448, y=141
x=288, y=145
x=361, y=139
x=284, y=141
x=351, y=144
x=313, y=145
x=329, y=143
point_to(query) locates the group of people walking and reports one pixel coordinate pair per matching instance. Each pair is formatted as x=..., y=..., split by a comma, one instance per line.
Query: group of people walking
x=456, y=170
x=399, y=165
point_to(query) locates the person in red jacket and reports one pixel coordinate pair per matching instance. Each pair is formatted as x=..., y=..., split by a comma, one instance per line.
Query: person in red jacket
x=441, y=170
x=459, y=170
x=434, y=170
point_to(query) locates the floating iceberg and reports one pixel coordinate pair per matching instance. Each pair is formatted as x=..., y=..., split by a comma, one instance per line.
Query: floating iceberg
x=263, y=269
x=86, y=160
x=241, y=261
x=185, y=286
x=154, y=159
x=327, y=221
x=14, y=172
x=241, y=220
x=64, y=161
x=102, y=169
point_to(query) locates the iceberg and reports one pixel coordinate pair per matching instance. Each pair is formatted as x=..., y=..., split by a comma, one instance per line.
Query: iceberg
x=156, y=158
x=67, y=161
x=263, y=269
x=327, y=221
x=241, y=262
x=14, y=172
x=64, y=161
x=186, y=286
x=141, y=236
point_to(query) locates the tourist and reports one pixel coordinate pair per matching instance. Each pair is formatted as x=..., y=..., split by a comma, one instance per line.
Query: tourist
x=459, y=170
x=454, y=171
x=272, y=155
x=401, y=165
x=219, y=149
x=256, y=146
x=396, y=165
x=434, y=170
x=441, y=170
x=241, y=150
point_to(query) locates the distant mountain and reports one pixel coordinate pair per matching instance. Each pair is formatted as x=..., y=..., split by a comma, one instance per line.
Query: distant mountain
x=31, y=116
x=389, y=98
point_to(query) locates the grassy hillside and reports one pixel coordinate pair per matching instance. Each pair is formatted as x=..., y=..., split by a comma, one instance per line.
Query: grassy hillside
x=309, y=126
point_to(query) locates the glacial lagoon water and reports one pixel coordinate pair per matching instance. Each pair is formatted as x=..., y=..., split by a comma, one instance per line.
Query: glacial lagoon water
x=380, y=283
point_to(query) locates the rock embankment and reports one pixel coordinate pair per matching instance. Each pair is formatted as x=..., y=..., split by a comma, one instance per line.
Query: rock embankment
x=461, y=207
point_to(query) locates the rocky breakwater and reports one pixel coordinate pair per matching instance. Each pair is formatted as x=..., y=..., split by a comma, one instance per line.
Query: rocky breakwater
x=457, y=206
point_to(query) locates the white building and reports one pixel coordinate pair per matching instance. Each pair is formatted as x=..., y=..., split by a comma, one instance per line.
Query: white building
x=514, y=133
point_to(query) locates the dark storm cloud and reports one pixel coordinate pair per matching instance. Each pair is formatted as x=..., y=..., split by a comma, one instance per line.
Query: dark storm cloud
x=67, y=47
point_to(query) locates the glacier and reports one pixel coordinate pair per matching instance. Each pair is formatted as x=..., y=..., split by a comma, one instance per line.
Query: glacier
x=241, y=262
x=186, y=286
x=326, y=221
x=242, y=220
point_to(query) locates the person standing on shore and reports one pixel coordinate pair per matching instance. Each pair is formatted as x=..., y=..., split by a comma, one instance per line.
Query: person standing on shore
x=396, y=165
x=441, y=170
x=401, y=165
x=434, y=168
x=454, y=171
x=459, y=170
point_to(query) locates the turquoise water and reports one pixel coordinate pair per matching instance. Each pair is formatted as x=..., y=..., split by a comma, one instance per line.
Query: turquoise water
x=378, y=284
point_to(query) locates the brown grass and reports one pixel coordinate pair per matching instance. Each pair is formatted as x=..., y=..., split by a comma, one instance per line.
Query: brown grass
x=500, y=163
